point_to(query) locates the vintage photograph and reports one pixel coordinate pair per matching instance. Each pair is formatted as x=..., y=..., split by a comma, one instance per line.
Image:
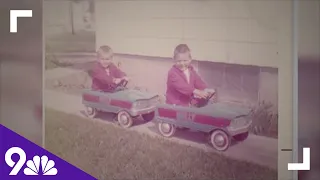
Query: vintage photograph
x=163, y=89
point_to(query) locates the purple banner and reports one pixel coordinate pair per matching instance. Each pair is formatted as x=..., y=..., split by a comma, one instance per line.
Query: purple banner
x=22, y=159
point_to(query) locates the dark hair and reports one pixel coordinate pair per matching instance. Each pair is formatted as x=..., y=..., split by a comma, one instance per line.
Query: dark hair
x=181, y=48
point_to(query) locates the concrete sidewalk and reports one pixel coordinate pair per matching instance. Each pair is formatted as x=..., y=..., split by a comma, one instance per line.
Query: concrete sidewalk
x=256, y=149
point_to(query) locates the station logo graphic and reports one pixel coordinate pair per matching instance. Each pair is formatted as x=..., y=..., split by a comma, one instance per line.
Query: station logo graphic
x=35, y=166
x=22, y=159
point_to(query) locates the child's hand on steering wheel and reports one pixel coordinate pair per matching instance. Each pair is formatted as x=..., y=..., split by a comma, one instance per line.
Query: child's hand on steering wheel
x=212, y=94
x=126, y=78
x=117, y=80
x=200, y=94
x=210, y=91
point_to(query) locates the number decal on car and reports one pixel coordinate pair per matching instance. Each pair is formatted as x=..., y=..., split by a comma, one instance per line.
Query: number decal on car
x=189, y=116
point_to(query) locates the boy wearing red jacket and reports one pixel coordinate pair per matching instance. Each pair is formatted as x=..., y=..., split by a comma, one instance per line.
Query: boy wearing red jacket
x=183, y=81
x=105, y=75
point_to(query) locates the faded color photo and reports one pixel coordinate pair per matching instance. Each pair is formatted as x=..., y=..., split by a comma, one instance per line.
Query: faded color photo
x=163, y=89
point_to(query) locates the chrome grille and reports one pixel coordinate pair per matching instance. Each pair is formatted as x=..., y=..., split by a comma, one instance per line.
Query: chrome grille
x=242, y=121
x=141, y=104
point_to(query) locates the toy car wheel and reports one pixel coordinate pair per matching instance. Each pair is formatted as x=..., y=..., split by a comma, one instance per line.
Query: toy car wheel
x=220, y=140
x=241, y=137
x=91, y=112
x=124, y=119
x=148, y=117
x=166, y=129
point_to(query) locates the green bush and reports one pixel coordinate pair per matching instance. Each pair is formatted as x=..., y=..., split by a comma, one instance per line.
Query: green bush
x=265, y=120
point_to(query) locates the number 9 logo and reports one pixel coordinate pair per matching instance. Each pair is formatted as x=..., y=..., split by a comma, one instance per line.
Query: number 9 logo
x=16, y=166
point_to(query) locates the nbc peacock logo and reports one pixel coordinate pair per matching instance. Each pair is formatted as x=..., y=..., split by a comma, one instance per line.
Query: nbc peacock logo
x=47, y=166
x=36, y=166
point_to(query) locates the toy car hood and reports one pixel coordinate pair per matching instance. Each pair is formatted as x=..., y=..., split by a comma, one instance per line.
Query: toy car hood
x=134, y=95
x=223, y=110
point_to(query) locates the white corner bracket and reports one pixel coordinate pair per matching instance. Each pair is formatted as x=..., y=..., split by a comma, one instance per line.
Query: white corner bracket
x=305, y=165
x=14, y=14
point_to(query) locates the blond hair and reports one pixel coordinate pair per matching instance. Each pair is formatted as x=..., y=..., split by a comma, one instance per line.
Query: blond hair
x=181, y=48
x=104, y=50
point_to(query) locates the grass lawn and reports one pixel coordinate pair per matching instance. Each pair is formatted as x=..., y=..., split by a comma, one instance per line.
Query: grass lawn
x=109, y=152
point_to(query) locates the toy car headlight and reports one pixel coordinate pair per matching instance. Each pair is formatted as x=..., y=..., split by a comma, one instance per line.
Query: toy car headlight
x=140, y=104
x=239, y=121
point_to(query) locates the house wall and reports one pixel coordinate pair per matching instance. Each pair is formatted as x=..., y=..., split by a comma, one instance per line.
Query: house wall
x=241, y=32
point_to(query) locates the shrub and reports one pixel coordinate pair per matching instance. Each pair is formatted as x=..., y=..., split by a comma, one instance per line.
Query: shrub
x=265, y=120
x=51, y=61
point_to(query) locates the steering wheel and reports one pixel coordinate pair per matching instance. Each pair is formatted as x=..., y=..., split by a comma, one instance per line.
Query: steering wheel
x=200, y=102
x=122, y=85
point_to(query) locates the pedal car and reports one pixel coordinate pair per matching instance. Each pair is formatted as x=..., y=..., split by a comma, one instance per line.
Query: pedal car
x=221, y=121
x=126, y=103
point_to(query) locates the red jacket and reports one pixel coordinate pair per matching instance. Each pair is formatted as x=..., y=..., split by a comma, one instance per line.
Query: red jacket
x=179, y=91
x=103, y=81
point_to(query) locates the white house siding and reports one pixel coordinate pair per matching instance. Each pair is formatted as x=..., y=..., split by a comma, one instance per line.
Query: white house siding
x=241, y=32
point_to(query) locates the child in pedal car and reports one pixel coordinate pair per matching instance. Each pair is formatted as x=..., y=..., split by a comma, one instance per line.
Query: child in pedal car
x=183, y=81
x=105, y=75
